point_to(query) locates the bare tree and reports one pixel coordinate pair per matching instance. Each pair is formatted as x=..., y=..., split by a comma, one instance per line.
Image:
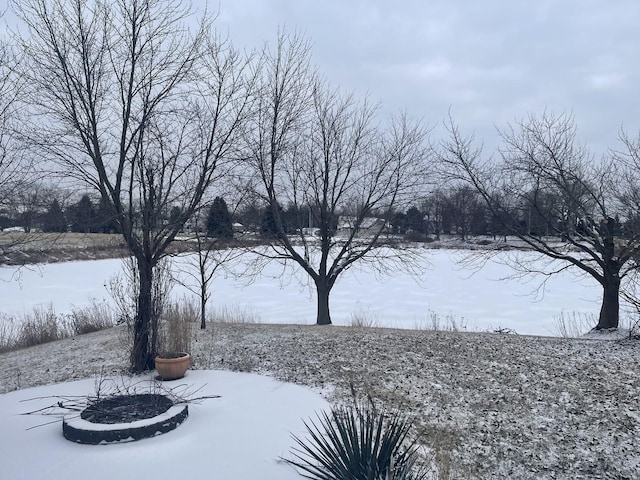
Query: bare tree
x=130, y=101
x=434, y=206
x=10, y=166
x=196, y=271
x=320, y=152
x=542, y=160
x=14, y=165
x=464, y=210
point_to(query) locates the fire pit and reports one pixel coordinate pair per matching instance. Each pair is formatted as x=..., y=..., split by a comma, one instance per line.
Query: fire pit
x=124, y=418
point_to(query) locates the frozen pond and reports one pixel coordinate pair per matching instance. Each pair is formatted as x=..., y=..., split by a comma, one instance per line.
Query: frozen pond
x=479, y=300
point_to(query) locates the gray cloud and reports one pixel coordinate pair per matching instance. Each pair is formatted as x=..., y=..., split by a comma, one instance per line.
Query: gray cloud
x=491, y=61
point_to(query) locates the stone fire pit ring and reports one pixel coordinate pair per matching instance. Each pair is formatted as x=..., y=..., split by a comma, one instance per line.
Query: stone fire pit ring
x=124, y=418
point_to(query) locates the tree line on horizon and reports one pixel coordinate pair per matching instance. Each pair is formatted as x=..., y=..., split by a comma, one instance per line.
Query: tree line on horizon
x=458, y=211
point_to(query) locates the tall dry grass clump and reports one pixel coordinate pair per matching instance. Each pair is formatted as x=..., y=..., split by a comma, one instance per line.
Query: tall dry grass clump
x=43, y=325
x=573, y=324
x=234, y=314
x=175, y=327
x=95, y=317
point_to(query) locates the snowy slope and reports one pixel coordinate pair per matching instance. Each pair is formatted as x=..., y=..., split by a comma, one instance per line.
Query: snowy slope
x=489, y=406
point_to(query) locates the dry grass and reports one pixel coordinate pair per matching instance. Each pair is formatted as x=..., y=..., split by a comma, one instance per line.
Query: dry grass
x=234, y=314
x=43, y=325
x=364, y=317
x=175, y=328
x=95, y=317
x=37, y=247
x=438, y=323
x=30, y=248
x=577, y=324
x=573, y=324
x=39, y=241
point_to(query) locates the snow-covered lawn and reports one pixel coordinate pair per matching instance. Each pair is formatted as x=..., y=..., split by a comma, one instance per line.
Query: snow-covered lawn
x=489, y=405
x=240, y=435
x=480, y=301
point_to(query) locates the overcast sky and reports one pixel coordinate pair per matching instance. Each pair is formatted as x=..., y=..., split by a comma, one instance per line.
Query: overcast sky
x=491, y=62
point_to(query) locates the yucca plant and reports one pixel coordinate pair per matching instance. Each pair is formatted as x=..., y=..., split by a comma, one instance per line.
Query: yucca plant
x=355, y=443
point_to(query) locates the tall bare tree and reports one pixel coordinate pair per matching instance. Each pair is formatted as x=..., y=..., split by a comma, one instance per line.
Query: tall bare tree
x=542, y=160
x=14, y=167
x=131, y=101
x=321, y=152
x=9, y=166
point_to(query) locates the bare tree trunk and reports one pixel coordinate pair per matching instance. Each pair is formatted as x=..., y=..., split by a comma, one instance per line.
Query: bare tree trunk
x=144, y=330
x=203, y=306
x=323, y=290
x=203, y=278
x=610, y=310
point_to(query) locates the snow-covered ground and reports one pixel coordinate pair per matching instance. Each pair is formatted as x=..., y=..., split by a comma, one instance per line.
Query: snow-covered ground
x=487, y=406
x=240, y=435
x=479, y=301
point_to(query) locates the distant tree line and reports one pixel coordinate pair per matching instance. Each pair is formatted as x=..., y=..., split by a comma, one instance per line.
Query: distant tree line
x=456, y=211
x=84, y=216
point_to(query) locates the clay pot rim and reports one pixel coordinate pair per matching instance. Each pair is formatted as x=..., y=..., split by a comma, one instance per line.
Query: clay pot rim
x=172, y=355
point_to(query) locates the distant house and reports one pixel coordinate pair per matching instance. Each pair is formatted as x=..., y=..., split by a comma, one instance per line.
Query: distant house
x=13, y=229
x=311, y=232
x=368, y=225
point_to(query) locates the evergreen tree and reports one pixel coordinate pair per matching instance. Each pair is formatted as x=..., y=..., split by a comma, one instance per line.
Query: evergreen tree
x=174, y=214
x=5, y=221
x=54, y=219
x=106, y=221
x=268, y=227
x=414, y=220
x=82, y=216
x=219, y=222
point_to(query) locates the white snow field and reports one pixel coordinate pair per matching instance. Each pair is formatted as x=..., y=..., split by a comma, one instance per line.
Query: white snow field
x=240, y=435
x=479, y=301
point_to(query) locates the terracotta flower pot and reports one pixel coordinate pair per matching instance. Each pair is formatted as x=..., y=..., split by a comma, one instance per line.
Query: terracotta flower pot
x=172, y=366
